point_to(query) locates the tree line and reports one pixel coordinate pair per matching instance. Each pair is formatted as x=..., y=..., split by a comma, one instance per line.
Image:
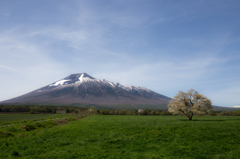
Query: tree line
x=38, y=109
x=69, y=109
x=159, y=112
x=163, y=112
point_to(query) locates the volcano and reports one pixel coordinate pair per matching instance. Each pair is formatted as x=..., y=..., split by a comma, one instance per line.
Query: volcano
x=82, y=89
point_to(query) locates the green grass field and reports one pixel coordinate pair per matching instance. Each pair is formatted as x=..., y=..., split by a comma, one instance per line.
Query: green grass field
x=108, y=136
x=17, y=117
x=8, y=119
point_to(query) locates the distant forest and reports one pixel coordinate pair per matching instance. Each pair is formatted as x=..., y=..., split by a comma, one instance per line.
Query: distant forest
x=70, y=109
x=37, y=108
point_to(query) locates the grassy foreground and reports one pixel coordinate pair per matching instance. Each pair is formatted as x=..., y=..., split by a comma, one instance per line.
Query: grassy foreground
x=100, y=136
x=8, y=119
x=17, y=117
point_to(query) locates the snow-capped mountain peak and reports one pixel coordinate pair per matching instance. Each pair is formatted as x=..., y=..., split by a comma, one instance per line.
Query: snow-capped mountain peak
x=73, y=78
x=81, y=88
x=84, y=78
x=82, y=84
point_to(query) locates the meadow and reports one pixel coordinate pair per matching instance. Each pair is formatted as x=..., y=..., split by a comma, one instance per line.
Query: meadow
x=125, y=136
x=13, y=118
x=27, y=116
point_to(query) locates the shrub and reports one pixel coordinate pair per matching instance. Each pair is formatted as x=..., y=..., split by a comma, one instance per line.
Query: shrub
x=104, y=112
x=165, y=112
x=116, y=112
x=153, y=112
x=111, y=112
x=92, y=109
x=144, y=112
x=157, y=112
x=122, y=112
x=212, y=113
x=131, y=112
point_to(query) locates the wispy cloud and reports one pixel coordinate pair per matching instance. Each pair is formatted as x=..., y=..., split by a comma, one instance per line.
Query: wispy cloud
x=3, y=68
x=24, y=65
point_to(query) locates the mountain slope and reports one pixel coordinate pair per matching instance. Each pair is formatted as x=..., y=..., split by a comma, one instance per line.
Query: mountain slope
x=82, y=88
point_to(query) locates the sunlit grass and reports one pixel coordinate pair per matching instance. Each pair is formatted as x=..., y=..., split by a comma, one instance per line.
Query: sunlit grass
x=125, y=136
x=8, y=119
x=17, y=117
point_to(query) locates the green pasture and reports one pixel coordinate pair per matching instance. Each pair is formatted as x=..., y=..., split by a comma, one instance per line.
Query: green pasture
x=17, y=117
x=9, y=119
x=123, y=136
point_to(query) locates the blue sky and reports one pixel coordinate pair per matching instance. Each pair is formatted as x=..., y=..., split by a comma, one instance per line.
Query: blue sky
x=162, y=45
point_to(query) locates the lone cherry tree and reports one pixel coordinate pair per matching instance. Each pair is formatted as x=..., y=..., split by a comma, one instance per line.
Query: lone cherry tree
x=190, y=103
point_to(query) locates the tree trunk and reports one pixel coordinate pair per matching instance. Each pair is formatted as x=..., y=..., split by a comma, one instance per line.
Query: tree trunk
x=190, y=116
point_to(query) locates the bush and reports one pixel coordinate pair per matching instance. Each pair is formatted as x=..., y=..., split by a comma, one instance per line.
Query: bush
x=123, y=112
x=111, y=112
x=212, y=113
x=153, y=112
x=104, y=112
x=144, y=112
x=116, y=112
x=165, y=112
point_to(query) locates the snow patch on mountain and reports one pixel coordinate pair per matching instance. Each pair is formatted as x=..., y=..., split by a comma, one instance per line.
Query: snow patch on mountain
x=131, y=88
x=76, y=80
x=81, y=80
x=111, y=84
x=61, y=82
x=84, y=79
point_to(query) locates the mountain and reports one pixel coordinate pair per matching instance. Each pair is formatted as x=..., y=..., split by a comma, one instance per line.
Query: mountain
x=237, y=106
x=84, y=90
